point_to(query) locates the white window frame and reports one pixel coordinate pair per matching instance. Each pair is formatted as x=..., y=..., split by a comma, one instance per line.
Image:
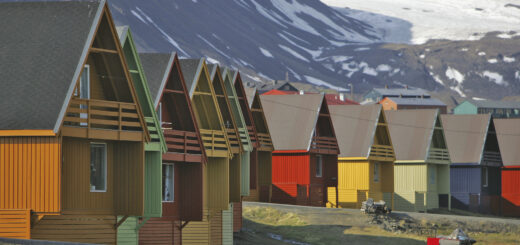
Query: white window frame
x=377, y=171
x=319, y=165
x=486, y=176
x=173, y=183
x=105, y=166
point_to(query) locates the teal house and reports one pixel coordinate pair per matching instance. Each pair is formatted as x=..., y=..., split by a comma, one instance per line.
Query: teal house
x=128, y=230
x=498, y=109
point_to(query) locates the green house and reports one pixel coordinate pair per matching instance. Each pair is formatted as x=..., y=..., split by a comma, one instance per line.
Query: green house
x=498, y=109
x=422, y=165
x=128, y=230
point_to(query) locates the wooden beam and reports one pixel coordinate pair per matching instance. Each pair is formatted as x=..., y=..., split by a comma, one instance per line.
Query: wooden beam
x=120, y=222
x=102, y=50
x=166, y=90
x=184, y=224
x=27, y=132
x=143, y=222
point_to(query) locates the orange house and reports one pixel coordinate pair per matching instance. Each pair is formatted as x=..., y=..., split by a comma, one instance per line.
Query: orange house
x=72, y=132
x=399, y=103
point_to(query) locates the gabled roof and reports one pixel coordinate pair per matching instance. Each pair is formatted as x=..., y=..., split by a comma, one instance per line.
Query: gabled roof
x=415, y=101
x=43, y=46
x=495, y=104
x=284, y=112
x=355, y=128
x=401, y=91
x=465, y=136
x=411, y=132
x=250, y=93
x=191, y=68
x=508, y=133
x=279, y=92
x=157, y=70
x=335, y=99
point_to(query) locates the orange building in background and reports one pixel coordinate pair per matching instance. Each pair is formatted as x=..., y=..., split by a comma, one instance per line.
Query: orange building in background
x=397, y=103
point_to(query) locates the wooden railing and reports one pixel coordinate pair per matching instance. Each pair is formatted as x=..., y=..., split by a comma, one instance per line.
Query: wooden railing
x=381, y=151
x=491, y=156
x=243, y=135
x=324, y=144
x=439, y=154
x=233, y=139
x=214, y=142
x=101, y=114
x=152, y=129
x=252, y=136
x=182, y=141
x=264, y=140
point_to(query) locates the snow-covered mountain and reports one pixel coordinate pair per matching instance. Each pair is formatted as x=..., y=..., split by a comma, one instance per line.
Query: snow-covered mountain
x=325, y=45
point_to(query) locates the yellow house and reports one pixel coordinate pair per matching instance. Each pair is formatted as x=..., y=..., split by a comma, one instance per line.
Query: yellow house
x=366, y=159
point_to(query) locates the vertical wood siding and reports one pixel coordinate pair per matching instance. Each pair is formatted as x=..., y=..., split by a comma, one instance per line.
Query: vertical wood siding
x=234, y=178
x=264, y=176
x=288, y=172
x=78, y=227
x=127, y=232
x=15, y=223
x=197, y=232
x=190, y=191
x=237, y=216
x=227, y=225
x=217, y=184
x=215, y=225
x=353, y=184
x=30, y=176
x=153, y=184
x=464, y=181
x=129, y=178
x=244, y=173
x=511, y=192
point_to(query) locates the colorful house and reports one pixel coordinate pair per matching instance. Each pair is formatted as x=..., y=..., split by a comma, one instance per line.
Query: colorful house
x=72, y=150
x=182, y=165
x=508, y=133
x=475, y=162
x=422, y=165
x=261, y=172
x=305, y=160
x=218, y=151
x=399, y=103
x=366, y=161
x=498, y=109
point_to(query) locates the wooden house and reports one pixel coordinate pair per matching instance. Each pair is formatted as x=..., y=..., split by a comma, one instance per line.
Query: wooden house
x=247, y=146
x=305, y=160
x=422, y=164
x=182, y=165
x=128, y=231
x=366, y=161
x=508, y=133
x=475, y=162
x=72, y=144
x=261, y=175
x=400, y=103
x=218, y=151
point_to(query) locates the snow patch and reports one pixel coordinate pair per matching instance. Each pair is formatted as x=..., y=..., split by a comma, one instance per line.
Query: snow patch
x=509, y=59
x=464, y=49
x=266, y=52
x=319, y=82
x=481, y=53
x=212, y=61
x=383, y=68
x=507, y=35
x=294, y=53
x=453, y=74
x=477, y=98
x=213, y=46
x=492, y=61
x=494, y=77
x=422, y=56
x=362, y=49
x=338, y=59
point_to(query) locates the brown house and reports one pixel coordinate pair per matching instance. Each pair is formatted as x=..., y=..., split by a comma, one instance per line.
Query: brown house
x=399, y=103
x=75, y=126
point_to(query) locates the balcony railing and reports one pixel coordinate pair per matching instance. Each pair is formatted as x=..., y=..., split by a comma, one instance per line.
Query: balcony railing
x=264, y=140
x=233, y=139
x=491, y=156
x=214, y=142
x=382, y=151
x=243, y=135
x=439, y=154
x=252, y=136
x=152, y=129
x=326, y=145
x=182, y=142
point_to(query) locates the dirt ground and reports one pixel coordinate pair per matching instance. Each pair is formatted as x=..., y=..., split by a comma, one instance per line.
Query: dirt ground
x=266, y=223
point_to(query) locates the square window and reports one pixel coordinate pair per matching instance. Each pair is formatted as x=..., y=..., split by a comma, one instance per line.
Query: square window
x=319, y=166
x=167, y=183
x=98, y=167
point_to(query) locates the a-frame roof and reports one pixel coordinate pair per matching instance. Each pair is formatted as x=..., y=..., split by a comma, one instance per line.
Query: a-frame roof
x=139, y=80
x=508, y=133
x=43, y=49
x=157, y=70
x=257, y=110
x=411, y=132
x=191, y=70
x=283, y=112
x=355, y=128
x=466, y=136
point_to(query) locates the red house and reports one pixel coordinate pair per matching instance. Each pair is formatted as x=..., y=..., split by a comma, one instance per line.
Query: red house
x=305, y=160
x=508, y=134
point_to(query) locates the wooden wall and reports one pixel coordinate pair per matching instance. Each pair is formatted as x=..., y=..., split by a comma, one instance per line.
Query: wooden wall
x=153, y=184
x=15, y=223
x=129, y=178
x=237, y=216
x=190, y=189
x=217, y=184
x=234, y=178
x=126, y=232
x=160, y=231
x=30, y=170
x=227, y=225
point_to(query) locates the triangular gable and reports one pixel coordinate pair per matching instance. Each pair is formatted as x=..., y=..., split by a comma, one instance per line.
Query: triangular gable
x=508, y=134
x=491, y=152
x=230, y=123
x=143, y=91
x=283, y=112
x=324, y=138
x=264, y=136
x=382, y=148
x=206, y=108
x=237, y=111
x=438, y=148
x=245, y=106
x=112, y=100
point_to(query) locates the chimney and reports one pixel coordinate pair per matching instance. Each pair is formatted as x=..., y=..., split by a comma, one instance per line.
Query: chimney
x=342, y=96
x=302, y=92
x=286, y=76
x=386, y=86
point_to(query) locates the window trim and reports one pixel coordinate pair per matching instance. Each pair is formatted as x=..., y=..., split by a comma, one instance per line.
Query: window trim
x=105, y=147
x=173, y=183
x=319, y=164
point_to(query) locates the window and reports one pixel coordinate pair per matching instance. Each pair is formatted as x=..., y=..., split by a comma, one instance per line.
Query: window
x=167, y=183
x=84, y=90
x=319, y=166
x=98, y=167
x=376, y=172
x=433, y=175
x=484, y=176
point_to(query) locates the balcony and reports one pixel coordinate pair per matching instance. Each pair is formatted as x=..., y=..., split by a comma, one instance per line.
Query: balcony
x=233, y=140
x=265, y=143
x=252, y=136
x=243, y=132
x=324, y=145
x=152, y=129
x=182, y=146
x=215, y=143
x=100, y=119
x=437, y=154
x=382, y=152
